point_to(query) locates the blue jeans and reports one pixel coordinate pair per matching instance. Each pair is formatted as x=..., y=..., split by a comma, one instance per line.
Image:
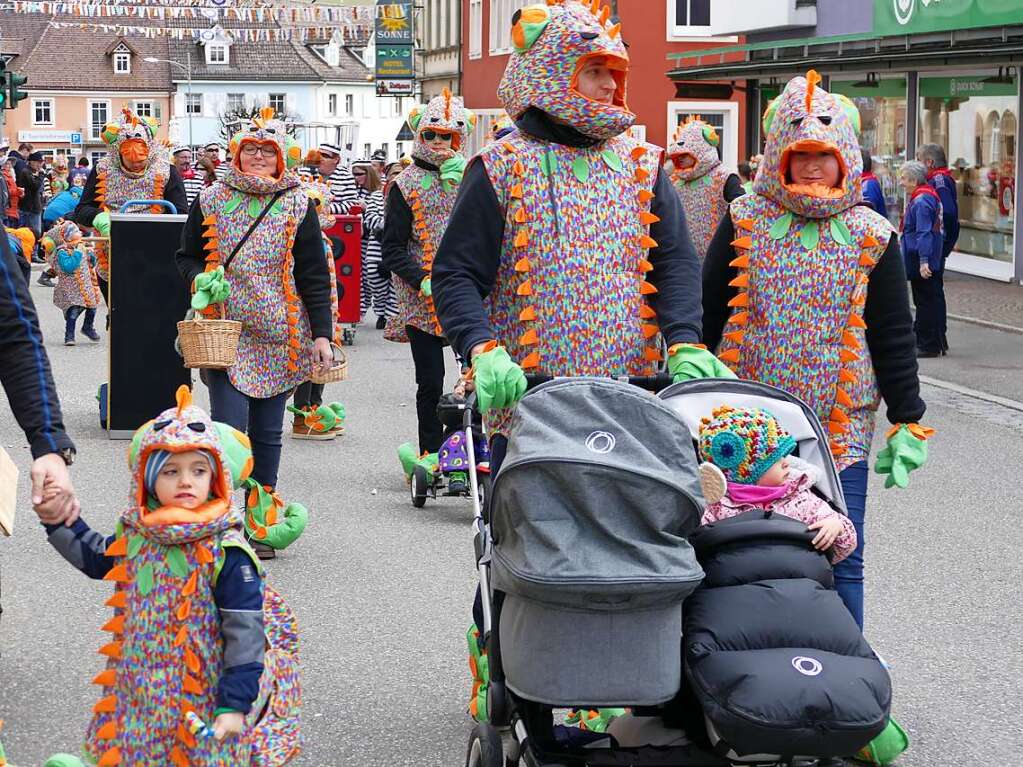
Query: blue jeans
x=849, y=572
x=261, y=419
x=71, y=315
x=33, y=221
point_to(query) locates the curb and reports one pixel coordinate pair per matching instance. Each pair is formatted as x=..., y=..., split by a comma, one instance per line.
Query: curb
x=986, y=323
x=994, y=399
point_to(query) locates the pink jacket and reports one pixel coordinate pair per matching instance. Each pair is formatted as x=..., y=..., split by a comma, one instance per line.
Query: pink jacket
x=798, y=503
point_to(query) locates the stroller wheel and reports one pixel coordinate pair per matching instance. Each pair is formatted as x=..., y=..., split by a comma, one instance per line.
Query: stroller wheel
x=483, y=489
x=485, y=748
x=419, y=487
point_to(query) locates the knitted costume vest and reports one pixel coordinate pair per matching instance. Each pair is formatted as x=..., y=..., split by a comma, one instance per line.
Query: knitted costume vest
x=570, y=297
x=703, y=200
x=431, y=203
x=273, y=351
x=797, y=321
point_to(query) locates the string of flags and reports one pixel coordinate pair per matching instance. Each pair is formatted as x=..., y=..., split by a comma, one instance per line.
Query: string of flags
x=162, y=10
x=272, y=34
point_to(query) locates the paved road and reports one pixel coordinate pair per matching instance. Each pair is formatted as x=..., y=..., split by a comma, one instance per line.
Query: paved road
x=382, y=590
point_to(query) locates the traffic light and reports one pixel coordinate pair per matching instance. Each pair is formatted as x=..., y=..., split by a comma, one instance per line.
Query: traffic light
x=3, y=79
x=14, y=92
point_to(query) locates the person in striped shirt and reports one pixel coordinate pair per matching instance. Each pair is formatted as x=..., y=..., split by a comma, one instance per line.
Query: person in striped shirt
x=338, y=177
x=182, y=157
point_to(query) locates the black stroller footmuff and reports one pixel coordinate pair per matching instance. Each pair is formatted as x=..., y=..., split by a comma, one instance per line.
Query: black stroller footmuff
x=773, y=656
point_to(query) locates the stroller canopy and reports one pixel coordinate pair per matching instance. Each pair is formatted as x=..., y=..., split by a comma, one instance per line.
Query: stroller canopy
x=595, y=499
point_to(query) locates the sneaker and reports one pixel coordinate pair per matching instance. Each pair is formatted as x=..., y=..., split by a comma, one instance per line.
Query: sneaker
x=300, y=430
x=69, y=340
x=90, y=333
x=45, y=281
x=381, y=323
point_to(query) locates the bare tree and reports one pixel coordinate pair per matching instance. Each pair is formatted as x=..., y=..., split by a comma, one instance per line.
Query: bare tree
x=232, y=120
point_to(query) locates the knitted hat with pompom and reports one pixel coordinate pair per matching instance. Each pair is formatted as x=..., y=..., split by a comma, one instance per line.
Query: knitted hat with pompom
x=743, y=442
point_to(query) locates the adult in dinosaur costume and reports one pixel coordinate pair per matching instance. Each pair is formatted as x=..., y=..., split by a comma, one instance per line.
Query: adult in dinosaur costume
x=417, y=208
x=567, y=252
x=804, y=289
x=137, y=167
x=703, y=184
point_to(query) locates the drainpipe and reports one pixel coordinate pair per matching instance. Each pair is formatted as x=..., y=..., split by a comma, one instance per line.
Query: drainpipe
x=1017, y=239
x=912, y=113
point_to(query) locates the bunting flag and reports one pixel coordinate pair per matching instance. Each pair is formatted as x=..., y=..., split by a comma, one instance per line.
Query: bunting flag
x=261, y=34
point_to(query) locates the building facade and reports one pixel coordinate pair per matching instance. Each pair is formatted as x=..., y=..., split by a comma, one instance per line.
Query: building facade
x=920, y=72
x=440, y=36
x=78, y=80
x=653, y=29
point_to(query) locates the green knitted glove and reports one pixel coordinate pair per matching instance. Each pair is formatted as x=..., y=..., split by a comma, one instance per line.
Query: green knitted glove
x=64, y=760
x=210, y=288
x=452, y=170
x=102, y=223
x=687, y=362
x=906, y=451
x=886, y=747
x=500, y=382
x=594, y=720
x=426, y=287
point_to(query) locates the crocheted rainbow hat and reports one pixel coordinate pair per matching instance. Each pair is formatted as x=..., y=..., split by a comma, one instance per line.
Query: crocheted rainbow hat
x=743, y=442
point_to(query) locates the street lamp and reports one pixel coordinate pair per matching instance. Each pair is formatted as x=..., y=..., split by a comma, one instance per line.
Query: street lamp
x=188, y=72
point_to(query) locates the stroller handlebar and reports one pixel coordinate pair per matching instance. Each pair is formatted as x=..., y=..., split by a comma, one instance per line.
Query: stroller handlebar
x=653, y=384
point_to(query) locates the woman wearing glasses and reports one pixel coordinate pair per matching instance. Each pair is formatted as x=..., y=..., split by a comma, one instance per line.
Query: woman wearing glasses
x=377, y=290
x=252, y=243
x=418, y=205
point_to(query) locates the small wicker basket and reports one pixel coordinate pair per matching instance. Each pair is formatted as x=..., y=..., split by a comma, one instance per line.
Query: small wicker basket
x=336, y=372
x=209, y=343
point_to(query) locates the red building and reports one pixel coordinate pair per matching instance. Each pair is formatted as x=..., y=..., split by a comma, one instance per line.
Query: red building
x=654, y=29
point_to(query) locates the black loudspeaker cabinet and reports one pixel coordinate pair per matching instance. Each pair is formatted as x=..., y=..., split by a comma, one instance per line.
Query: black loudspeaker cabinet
x=148, y=298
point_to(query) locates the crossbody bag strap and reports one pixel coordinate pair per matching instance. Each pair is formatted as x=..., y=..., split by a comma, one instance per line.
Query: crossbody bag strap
x=252, y=228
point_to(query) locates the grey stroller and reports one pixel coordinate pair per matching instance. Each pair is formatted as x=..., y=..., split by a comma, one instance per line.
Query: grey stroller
x=585, y=565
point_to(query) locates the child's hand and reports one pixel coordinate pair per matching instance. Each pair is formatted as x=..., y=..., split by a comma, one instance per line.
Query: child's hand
x=227, y=724
x=830, y=528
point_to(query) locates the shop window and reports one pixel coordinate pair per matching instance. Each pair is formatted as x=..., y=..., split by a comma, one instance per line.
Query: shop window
x=973, y=117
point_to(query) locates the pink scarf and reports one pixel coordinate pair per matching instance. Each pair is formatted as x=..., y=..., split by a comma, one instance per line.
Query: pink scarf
x=755, y=495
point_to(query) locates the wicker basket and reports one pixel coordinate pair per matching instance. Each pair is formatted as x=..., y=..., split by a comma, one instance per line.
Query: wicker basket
x=209, y=343
x=336, y=372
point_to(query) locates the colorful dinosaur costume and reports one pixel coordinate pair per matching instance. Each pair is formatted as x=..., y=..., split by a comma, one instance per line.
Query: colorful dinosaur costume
x=76, y=277
x=803, y=260
x=273, y=348
x=580, y=216
x=430, y=194
x=132, y=137
x=170, y=643
x=703, y=184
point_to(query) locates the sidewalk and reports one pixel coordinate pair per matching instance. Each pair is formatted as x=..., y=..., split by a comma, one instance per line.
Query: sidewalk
x=985, y=300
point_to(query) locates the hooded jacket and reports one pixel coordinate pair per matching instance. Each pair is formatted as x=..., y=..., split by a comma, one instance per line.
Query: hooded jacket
x=804, y=288
x=567, y=243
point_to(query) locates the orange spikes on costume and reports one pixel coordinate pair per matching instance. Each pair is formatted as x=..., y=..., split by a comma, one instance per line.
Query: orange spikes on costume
x=812, y=81
x=594, y=7
x=838, y=416
x=637, y=153
x=522, y=265
x=847, y=356
x=190, y=684
x=184, y=398
x=529, y=338
x=181, y=636
x=646, y=313
x=525, y=289
x=646, y=289
x=527, y=315
x=866, y=260
x=836, y=428
x=191, y=660
x=115, y=625
x=118, y=548
x=650, y=329
x=745, y=243
x=746, y=223
x=838, y=450
x=111, y=650
x=742, y=299
x=118, y=574
x=184, y=609
x=178, y=758
x=447, y=103
x=735, y=336
x=518, y=168
x=520, y=216
x=645, y=195
x=729, y=355
x=118, y=600
x=645, y=266
x=106, y=678
x=856, y=321
x=652, y=355
x=869, y=242
x=210, y=220
x=642, y=174
x=741, y=262
x=614, y=31
x=107, y=731
x=847, y=376
x=107, y=705
x=646, y=218
x=849, y=340
x=516, y=192
x=742, y=281
x=842, y=398
x=647, y=242
x=267, y=113
x=522, y=239
x=531, y=361
x=605, y=14
x=739, y=318
x=189, y=588
x=111, y=758
x=185, y=736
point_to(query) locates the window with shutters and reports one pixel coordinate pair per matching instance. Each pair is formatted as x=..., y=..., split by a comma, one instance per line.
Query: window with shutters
x=475, y=29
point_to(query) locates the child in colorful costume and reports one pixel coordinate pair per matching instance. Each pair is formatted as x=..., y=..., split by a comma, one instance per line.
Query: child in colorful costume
x=275, y=282
x=567, y=253
x=417, y=209
x=191, y=620
x=314, y=420
x=804, y=290
x=77, y=290
x=137, y=167
x=703, y=184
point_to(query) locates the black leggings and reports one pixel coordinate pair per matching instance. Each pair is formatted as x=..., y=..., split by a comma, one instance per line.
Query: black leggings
x=428, y=356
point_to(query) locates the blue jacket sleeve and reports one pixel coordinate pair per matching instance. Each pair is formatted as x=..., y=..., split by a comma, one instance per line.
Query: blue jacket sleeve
x=949, y=212
x=238, y=594
x=83, y=547
x=928, y=238
x=874, y=197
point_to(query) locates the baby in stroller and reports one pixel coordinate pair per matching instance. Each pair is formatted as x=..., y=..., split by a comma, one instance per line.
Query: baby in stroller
x=747, y=467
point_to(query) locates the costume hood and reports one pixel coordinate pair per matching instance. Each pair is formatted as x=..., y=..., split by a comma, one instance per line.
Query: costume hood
x=694, y=150
x=806, y=118
x=320, y=194
x=265, y=128
x=136, y=135
x=444, y=114
x=180, y=429
x=552, y=43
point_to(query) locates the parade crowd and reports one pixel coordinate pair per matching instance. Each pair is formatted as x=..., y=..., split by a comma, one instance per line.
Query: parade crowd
x=565, y=248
